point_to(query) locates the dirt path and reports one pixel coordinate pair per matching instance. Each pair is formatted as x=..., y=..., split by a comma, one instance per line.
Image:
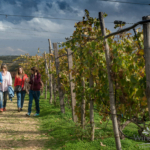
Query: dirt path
x=18, y=131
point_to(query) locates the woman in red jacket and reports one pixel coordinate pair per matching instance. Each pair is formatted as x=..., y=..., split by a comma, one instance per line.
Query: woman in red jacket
x=19, y=80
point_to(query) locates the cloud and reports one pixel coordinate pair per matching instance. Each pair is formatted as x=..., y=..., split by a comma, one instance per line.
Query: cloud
x=63, y=5
x=68, y=9
x=34, y=28
x=11, y=51
x=2, y=28
x=49, y=5
x=20, y=50
x=44, y=25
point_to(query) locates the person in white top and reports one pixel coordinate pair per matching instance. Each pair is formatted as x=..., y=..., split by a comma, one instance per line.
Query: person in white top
x=7, y=81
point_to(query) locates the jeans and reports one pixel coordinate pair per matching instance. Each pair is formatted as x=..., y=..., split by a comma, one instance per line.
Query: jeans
x=1, y=99
x=20, y=98
x=5, y=98
x=36, y=96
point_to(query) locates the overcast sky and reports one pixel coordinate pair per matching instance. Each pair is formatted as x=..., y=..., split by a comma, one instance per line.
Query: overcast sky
x=20, y=35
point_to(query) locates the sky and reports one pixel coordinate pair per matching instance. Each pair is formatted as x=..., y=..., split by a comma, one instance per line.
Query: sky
x=21, y=35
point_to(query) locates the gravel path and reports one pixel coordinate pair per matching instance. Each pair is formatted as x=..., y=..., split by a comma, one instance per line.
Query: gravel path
x=18, y=131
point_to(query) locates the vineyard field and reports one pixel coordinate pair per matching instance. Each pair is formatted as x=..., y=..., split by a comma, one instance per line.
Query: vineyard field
x=63, y=134
x=100, y=83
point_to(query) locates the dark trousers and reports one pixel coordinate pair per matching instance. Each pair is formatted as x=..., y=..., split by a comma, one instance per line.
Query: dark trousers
x=5, y=98
x=1, y=99
x=34, y=95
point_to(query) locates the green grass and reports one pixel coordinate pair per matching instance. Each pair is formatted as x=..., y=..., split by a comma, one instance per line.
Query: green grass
x=62, y=131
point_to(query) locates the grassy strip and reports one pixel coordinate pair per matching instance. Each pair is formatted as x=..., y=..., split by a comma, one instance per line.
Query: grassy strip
x=62, y=131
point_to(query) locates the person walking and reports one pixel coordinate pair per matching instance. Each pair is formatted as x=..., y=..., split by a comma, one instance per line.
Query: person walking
x=34, y=92
x=19, y=82
x=1, y=94
x=7, y=81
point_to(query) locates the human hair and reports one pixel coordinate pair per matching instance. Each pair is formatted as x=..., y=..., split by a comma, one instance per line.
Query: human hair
x=35, y=70
x=4, y=66
x=17, y=74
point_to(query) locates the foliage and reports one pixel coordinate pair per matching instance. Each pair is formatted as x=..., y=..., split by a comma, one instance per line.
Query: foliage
x=127, y=69
x=34, y=61
x=1, y=62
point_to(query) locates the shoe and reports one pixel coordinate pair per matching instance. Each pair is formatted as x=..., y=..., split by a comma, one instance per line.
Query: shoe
x=4, y=109
x=1, y=110
x=18, y=109
x=36, y=115
x=28, y=114
x=21, y=109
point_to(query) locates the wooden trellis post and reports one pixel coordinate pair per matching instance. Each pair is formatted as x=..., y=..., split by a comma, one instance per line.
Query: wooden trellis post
x=111, y=90
x=61, y=94
x=50, y=75
x=146, y=32
x=54, y=86
x=83, y=101
x=54, y=89
x=72, y=85
x=46, y=71
x=83, y=105
x=91, y=83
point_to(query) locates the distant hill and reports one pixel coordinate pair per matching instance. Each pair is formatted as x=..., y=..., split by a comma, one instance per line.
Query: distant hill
x=12, y=66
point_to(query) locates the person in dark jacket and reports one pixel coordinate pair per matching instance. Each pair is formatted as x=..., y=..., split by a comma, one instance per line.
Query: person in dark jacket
x=34, y=92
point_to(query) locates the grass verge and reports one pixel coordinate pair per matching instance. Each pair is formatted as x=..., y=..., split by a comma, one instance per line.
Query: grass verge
x=62, y=131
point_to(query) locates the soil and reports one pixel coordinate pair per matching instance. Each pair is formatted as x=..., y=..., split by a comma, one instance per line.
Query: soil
x=17, y=131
